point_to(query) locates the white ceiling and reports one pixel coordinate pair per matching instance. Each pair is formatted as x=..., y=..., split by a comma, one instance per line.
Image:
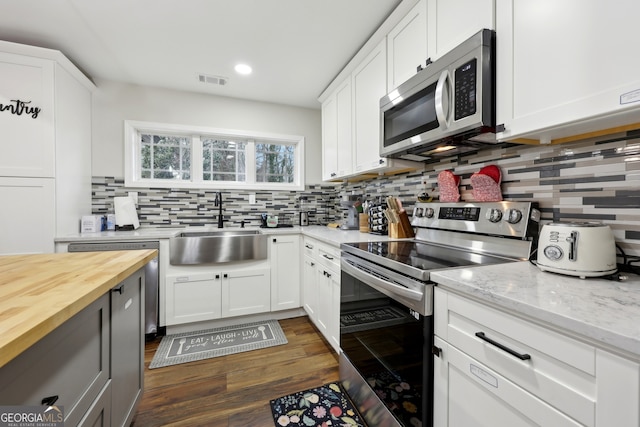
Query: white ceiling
x=296, y=47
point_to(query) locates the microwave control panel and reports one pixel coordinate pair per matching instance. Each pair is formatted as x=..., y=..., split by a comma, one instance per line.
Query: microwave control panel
x=465, y=90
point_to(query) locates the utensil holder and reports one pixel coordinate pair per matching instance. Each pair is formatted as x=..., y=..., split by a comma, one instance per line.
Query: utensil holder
x=364, y=223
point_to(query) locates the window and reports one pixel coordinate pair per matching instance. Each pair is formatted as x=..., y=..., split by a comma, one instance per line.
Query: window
x=223, y=160
x=173, y=156
x=165, y=157
x=275, y=162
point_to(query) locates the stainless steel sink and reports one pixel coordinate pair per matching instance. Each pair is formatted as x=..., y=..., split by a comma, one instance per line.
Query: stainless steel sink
x=217, y=246
x=214, y=233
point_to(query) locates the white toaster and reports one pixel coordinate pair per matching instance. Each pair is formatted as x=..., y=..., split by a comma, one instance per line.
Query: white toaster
x=577, y=249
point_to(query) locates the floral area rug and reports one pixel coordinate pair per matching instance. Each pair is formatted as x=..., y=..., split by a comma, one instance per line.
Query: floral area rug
x=324, y=406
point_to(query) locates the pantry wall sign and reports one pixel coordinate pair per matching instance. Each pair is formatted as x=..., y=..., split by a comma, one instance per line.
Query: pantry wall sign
x=19, y=107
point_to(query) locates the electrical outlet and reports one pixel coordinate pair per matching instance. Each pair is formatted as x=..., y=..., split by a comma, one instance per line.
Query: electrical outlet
x=252, y=199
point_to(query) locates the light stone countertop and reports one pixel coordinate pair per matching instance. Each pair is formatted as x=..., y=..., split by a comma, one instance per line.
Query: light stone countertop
x=603, y=312
x=332, y=236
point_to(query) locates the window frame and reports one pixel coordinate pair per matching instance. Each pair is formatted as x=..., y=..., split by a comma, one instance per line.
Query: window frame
x=133, y=164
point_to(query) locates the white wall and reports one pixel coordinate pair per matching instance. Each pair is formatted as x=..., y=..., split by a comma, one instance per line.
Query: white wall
x=115, y=102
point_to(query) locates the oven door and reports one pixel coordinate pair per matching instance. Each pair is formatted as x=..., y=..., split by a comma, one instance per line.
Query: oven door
x=386, y=364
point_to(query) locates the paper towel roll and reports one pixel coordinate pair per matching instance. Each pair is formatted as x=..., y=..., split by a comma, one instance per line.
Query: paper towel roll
x=125, y=210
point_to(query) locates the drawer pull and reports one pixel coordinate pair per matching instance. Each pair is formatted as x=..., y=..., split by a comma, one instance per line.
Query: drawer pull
x=503, y=347
x=330, y=258
x=308, y=246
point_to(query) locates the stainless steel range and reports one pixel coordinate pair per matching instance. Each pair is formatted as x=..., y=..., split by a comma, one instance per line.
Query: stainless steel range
x=386, y=303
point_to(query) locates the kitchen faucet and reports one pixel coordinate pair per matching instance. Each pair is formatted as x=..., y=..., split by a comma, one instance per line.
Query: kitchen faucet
x=218, y=202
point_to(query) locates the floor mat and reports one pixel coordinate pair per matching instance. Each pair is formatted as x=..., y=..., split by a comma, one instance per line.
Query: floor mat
x=191, y=346
x=327, y=405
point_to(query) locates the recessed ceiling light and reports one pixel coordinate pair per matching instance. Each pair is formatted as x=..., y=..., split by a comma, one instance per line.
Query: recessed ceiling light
x=243, y=69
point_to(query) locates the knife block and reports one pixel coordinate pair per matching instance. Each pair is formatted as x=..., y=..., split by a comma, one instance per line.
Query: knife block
x=402, y=229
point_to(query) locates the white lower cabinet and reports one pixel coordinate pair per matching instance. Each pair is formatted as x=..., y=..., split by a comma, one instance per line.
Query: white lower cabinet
x=285, y=272
x=321, y=288
x=494, y=368
x=206, y=293
x=468, y=394
x=192, y=298
x=309, y=287
x=245, y=292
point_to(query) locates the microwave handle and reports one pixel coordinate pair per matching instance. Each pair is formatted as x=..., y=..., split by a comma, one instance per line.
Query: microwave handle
x=442, y=101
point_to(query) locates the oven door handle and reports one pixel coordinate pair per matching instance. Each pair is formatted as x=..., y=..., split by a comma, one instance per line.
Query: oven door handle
x=376, y=282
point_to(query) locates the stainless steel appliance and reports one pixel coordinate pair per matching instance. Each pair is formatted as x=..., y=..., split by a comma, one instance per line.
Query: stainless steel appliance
x=304, y=218
x=353, y=220
x=151, y=273
x=386, y=305
x=447, y=108
x=580, y=249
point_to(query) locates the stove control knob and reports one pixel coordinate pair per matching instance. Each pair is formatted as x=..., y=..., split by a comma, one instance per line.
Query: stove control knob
x=429, y=212
x=494, y=215
x=514, y=216
x=418, y=212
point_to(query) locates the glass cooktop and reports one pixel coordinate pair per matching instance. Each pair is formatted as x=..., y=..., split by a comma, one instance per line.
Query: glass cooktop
x=408, y=255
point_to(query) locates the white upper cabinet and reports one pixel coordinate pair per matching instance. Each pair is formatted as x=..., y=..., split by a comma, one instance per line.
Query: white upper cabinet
x=351, y=103
x=337, y=134
x=27, y=116
x=450, y=22
x=566, y=68
x=369, y=85
x=329, y=139
x=407, y=46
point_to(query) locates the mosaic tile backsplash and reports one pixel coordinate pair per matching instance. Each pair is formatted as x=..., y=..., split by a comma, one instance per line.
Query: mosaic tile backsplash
x=582, y=181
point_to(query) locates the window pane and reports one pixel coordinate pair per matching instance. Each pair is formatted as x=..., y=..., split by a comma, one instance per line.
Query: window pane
x=275, y=162
x=165, y=157
x=223, y=159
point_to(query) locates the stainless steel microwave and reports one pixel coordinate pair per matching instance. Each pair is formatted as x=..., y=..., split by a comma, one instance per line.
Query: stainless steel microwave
x=447, y=108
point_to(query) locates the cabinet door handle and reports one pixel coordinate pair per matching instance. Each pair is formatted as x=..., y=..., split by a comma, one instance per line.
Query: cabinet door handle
x=217, y=276
x=312, y=264
x=503, y=347
x=436, y=351
x=274, y=240
x=119, y=290
x=225, y=275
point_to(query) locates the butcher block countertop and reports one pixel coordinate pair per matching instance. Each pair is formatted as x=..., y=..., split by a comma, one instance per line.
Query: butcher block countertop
x=40, y=292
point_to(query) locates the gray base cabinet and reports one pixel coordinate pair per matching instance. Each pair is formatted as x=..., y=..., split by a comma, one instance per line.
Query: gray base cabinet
x=127, y=348
x=93, y=362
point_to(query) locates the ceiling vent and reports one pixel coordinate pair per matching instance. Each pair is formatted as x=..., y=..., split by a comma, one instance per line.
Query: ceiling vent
x=214, y=80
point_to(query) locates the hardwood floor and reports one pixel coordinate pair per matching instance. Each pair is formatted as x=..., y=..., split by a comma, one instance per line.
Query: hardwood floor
x=235, y=390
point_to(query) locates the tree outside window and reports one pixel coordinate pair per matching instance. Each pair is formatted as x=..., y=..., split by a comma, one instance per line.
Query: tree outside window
x=165, y=157
x=275, y=163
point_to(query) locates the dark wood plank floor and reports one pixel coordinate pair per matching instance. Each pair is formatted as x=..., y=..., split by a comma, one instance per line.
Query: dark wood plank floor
x=234, y=390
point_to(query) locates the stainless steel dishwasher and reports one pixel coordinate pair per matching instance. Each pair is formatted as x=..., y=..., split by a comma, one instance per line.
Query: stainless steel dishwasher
x=151, y=273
